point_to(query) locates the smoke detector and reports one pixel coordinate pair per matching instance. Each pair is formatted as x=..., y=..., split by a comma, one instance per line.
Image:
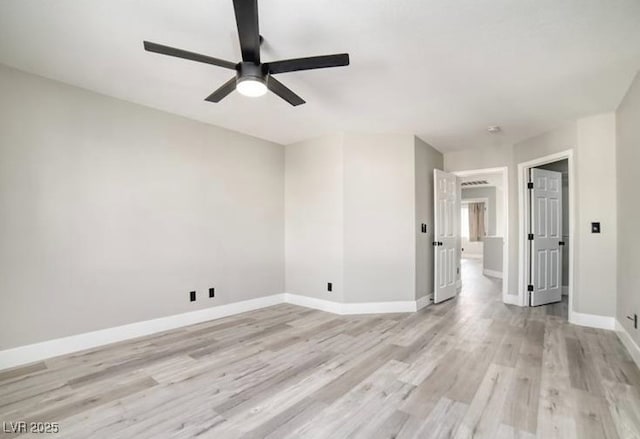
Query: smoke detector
x=494, y=129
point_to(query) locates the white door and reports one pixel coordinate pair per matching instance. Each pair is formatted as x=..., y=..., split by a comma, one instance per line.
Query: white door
x=545, y=277
x=446, y=235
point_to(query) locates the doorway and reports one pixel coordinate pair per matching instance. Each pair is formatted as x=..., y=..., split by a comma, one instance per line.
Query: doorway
x=484, y=230
x=546, y=231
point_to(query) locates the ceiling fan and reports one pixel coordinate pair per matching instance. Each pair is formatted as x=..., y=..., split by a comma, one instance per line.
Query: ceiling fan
x=253, y=77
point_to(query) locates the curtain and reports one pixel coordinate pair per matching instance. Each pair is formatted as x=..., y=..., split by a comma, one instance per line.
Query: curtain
x=476, y=221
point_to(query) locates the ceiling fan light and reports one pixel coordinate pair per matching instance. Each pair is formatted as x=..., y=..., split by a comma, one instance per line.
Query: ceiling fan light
x=252, y=87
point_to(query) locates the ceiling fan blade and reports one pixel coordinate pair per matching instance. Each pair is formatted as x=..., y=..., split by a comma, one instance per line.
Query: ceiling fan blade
x=283, y=91
x=248, y=30
x=179, y=53
x=223, y=91
x=310, y=63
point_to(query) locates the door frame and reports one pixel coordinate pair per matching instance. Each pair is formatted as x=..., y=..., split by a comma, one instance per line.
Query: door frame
x=504, y=170
x=524, y=211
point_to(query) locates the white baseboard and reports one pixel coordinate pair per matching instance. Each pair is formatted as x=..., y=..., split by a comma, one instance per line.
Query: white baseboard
x=314, y=303
x=379, y=307
x=424, y=301
x=628, y=342
x=352, y=308
x=511, y=299
x=472, y=255
x=74, y=343
x=492, y=273
x=592, y=320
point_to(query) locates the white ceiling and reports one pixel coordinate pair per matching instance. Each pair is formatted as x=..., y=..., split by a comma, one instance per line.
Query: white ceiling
x=442, y=69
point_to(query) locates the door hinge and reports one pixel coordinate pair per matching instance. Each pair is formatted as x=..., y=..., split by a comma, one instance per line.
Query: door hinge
x=530, y=288
x=530, y=237
x=530, y=185
x=561, y=243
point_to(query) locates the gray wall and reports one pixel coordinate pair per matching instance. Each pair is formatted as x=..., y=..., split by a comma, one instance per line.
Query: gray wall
x=112, y=212
x=490, y=194
x=596, y=254
x=314, y=218
x=628, y=158
x=427, y=159
x=562, y=166
x=354, y=205
x=492, y=253
x=379, y=217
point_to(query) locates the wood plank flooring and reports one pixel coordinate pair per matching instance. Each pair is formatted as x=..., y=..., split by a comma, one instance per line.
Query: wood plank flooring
x=468, y=368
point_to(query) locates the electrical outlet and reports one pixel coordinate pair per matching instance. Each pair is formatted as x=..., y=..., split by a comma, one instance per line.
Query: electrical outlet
x=192, y=296
x=329, y=287
x=212, y=292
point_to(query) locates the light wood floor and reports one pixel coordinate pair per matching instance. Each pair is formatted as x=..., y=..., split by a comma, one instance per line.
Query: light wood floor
x=471, y=367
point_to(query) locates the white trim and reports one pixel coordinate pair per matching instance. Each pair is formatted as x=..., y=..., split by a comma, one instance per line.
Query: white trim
x=523, y=257
x=74, y=343
x=511, y=299
x=628, y=342
x=466, y=255
x=592, y=320
x=424, y=301
x=492, y=273
x=314, y=303
x=504, y=170
x=354, y=308
x=476, y=200
x=379, y=307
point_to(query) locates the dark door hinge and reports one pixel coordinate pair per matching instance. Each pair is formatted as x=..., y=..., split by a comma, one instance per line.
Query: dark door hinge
x=530, y=185
x=561, y=243
x=530, y=237
x=529, y=288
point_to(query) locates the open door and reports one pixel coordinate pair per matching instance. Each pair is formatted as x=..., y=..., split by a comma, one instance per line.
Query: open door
x=446, y=234
x=545, y=237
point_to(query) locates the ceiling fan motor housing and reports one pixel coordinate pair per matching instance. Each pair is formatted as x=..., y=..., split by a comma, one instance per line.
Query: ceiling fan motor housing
x=250, y=71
